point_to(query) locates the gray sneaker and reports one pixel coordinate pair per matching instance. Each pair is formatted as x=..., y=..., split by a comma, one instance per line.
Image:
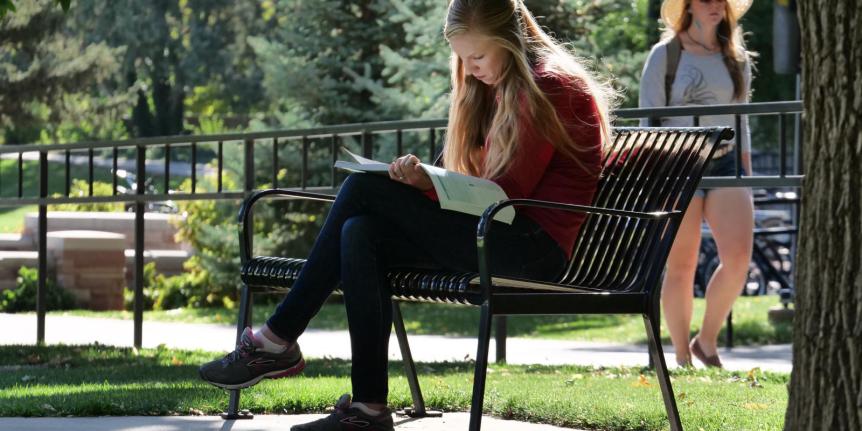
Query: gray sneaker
x=346, y=418
x=248, y=364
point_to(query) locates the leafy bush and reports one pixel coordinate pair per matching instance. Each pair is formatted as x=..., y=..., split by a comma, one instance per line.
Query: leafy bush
x=166, y=293
x=23, y=297
x=81, y=188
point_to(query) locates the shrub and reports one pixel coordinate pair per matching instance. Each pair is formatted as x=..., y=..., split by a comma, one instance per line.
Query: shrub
x=165, y=293
x=23, y=297
x=81, y=188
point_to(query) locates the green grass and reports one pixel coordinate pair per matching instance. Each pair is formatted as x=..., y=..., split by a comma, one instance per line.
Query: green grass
x=12, y=218
x=99, y=380
x=750, y=323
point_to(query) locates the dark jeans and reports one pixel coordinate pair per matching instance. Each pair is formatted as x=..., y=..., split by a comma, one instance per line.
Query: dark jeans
x=376, y=224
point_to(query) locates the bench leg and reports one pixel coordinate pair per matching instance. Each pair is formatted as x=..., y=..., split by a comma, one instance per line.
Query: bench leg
x=481, y=368
x=652, y=329
x=243, y=320
x=418, y=409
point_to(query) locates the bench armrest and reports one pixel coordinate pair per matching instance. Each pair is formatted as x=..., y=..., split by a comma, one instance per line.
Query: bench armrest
x=245, y=211
x=484, y=226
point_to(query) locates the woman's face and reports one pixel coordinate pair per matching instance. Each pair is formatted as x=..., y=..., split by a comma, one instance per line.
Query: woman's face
x=480, y=56
x=708, y=12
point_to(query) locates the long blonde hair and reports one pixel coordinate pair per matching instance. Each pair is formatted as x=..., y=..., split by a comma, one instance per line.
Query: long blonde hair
x=474, y=115
x=730, y=39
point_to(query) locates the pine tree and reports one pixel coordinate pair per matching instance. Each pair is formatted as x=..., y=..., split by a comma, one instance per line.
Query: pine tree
x=324, y=55
x=40, y=65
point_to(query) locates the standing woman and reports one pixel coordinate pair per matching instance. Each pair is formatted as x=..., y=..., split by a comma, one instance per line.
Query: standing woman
x=713, y=67
x=525, y=114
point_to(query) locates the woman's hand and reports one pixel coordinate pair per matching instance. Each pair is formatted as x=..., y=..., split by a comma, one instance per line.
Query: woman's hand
x=406, y=169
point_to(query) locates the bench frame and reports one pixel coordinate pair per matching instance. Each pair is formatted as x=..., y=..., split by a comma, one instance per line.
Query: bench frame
x=576, y=293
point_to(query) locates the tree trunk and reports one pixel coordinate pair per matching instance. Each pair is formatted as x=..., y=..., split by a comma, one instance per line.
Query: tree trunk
x=826, y=383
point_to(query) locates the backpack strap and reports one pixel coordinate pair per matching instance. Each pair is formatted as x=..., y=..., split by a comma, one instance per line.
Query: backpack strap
x=674, y=50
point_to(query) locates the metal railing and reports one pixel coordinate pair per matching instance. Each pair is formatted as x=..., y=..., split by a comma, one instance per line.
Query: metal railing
x=207, y=154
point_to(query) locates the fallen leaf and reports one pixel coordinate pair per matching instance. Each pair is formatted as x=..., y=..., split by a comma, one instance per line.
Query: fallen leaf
x=752, y=378
x=752, y=373
x=642, y=382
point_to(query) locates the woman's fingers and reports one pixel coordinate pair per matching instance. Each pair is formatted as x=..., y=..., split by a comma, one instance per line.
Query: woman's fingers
x=398, y=168
x=406, y=169
x=402, y=168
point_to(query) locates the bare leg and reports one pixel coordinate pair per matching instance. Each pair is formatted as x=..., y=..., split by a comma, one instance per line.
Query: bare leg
x=677, y=289
x=730, y=214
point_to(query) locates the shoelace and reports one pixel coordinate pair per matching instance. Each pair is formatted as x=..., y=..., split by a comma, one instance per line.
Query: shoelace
x=244, y=348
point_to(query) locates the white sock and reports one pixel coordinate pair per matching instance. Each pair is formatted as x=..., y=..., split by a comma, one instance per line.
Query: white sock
x=365, y=409
x=268, y=345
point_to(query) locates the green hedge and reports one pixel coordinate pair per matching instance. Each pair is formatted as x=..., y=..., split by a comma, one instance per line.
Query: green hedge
x=23, y=297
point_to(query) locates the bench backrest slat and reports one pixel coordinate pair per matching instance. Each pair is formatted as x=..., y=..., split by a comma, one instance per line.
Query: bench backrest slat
x=644, y=171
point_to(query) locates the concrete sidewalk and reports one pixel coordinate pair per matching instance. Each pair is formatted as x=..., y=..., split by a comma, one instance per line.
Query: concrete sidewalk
x=317, y=343
x=449, y=421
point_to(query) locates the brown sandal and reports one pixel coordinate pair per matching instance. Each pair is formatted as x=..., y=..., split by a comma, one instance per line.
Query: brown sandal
x=709, y=361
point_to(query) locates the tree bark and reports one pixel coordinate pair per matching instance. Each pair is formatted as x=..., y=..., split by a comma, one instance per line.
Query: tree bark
x=826, y=383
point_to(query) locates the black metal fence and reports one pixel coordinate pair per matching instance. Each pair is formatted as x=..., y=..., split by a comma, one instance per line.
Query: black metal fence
x=262, y=159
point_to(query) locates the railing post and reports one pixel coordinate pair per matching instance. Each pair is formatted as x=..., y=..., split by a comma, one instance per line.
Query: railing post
x=248, y=166
x=139, y=246
x=432, y=141
x=248, y=186
x=367, y=144
x=43, y=249
x=303, y=181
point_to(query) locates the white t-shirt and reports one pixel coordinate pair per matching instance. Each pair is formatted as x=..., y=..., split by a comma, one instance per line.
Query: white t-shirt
x=700, y=80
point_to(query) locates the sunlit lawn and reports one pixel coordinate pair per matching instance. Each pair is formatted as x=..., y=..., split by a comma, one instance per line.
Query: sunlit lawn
x=12, y=218
x=100, y=380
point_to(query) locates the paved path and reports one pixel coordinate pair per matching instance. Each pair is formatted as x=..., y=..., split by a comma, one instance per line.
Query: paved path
x=317, y=343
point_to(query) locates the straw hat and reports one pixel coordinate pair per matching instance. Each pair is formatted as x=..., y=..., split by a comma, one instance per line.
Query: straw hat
x=672, y=10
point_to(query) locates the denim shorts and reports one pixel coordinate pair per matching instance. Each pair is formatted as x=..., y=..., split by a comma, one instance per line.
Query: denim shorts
x=724, y=166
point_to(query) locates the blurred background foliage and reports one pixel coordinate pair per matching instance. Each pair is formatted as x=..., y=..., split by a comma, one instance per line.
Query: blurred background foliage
x=112, y=69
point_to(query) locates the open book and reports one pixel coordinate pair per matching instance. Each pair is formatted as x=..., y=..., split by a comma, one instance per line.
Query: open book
x=456, y=192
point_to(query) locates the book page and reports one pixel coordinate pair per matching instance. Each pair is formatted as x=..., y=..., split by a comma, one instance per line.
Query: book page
x=471, y=195
x=361, y=164
x=456, y=192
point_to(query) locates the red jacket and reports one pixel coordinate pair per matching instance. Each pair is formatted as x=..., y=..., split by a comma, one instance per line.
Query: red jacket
x=539, y=171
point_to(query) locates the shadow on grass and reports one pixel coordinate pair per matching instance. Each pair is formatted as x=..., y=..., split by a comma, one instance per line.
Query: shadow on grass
x=99, y=380
x=460, y=320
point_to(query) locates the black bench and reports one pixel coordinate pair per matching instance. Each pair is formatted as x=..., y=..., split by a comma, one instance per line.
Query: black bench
x=649, y=177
